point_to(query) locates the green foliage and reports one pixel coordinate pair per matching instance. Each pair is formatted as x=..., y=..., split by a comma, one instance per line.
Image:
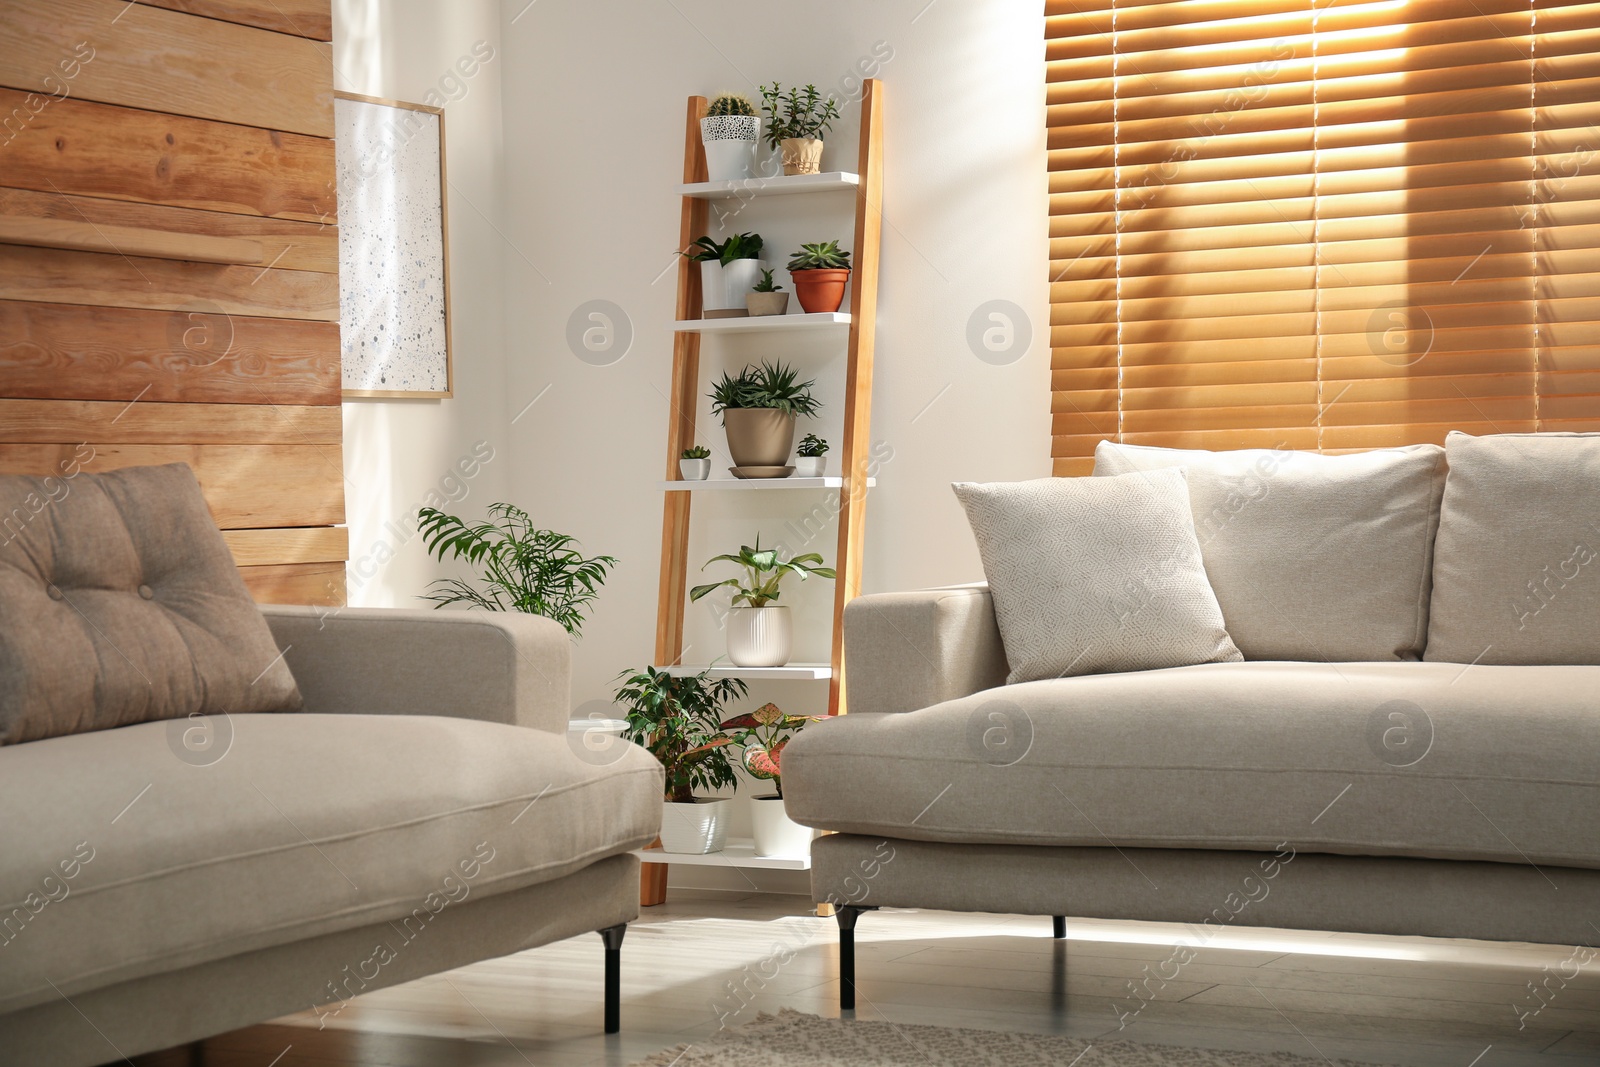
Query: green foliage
x=763, y=572
x=821, y=255
x=739, y=246
x=524, y=569
x=799, y=113
x=677, y=720
x=730, y=104
x=812, y=446
x=763, y=734
x=697, y=452
x=767, y=386
x=766, y=284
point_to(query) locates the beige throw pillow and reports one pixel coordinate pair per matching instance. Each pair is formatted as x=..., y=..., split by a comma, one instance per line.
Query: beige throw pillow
x=1312, y=557
x=1095, y=575
x=120, y=603
x=1516, y=572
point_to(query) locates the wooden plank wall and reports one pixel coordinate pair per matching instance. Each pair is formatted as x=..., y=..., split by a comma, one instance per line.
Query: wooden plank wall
x=169, y=257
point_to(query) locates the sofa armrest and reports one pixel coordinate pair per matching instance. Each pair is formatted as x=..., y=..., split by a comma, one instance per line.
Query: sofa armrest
x=905, y=651
x=497, y=666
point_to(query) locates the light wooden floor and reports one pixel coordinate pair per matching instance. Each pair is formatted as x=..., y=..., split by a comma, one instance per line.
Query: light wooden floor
x=704, y=958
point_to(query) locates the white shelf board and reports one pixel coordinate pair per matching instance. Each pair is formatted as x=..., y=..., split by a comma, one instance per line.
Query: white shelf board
x=778, y=185
x=739, y=852
x=790, y=673
x=764, y=323
x=831, y=481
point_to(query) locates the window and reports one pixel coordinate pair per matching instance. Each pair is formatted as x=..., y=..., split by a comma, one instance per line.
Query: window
x=1321, y=226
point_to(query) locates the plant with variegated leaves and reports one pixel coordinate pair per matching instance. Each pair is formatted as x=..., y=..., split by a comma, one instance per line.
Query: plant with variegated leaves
x=764, y=734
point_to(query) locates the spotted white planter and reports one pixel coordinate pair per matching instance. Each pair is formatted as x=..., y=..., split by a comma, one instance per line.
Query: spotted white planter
x=695, y=829
x=730, y=144
x=760, y=637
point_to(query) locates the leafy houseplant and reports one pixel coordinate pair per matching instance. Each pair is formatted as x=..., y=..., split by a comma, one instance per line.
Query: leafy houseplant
x=819, y=272
x=729, y=132
x=796, y=122
x=525, y=569
x=728, y=270
x=811, y=457
x=762, y=736
x=760, y=632
x=694, y=464
x=766, y=297
x=758, y=407
x=677, y=719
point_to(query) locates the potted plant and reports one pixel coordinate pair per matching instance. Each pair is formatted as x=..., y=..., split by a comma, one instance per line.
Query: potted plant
x=762, y=735
x=694, y=464
x=525, y=569
x=758, y=408
x=796, y=123
x=819, y=272
x=728, y=270
x=766, y=298
x=811, y=457
x=760, y=633
x=729, y=133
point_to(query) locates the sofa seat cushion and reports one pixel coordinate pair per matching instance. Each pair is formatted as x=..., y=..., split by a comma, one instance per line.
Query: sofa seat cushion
x=1404, y=759
x=129, y=854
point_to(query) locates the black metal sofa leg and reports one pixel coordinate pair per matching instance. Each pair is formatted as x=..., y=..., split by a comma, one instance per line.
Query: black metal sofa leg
x=1058, y=926
x=612, y=936
x=847, y=914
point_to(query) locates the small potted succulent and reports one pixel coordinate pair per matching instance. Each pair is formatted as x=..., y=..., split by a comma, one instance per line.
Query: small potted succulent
x=694, y=464
x=762, y=735
x=728, y=270
x=729, y=133
x=796, y=122
x=819, y=272
x=811, y=458
x=760, y=632
x=766, y=298
x=758, y=407
x=677, y=719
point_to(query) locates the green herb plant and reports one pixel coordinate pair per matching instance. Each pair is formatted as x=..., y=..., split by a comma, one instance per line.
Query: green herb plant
x=677, y=720
x=771, y=385
x=812, y=446
x=766, y=284
x=525, y=569
x=696, y=452
x=799, y=113
x=763, y=573
x=821, y=255
x=739, y=246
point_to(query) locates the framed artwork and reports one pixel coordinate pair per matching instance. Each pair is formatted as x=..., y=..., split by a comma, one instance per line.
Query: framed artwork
x=394, y=237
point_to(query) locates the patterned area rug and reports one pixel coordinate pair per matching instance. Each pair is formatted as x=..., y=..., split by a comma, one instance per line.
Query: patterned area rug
x=795, y=1039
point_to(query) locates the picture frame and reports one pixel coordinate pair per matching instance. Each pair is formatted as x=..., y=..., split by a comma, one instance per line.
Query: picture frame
x=394, y=249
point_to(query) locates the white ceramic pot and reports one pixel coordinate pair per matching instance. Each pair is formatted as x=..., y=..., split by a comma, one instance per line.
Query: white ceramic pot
x=810, y=466
x=759, y=637
x=739, y=278
x=694, y=470
x=695, y=829
x=730, y=144
x=776, y=834
x=713, y=290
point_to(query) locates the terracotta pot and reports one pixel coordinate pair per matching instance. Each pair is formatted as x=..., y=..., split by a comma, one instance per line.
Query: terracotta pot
x=801, y=155
x=766, y=303
x=820, y=290
x=759, y=437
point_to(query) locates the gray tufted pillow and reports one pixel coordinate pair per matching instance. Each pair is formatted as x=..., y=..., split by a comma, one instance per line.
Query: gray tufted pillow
x=120, y=603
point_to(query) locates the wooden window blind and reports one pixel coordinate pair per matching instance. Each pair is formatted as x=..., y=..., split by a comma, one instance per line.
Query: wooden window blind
x=1321, y=226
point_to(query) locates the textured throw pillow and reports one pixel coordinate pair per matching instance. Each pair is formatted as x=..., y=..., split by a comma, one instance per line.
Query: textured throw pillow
x=1095, y=575
x=1516, y=571
x=120, y=603
x=1312, y=557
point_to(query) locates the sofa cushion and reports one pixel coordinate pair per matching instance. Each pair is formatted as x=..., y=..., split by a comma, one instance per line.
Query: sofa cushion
x=1516, y=571
x=1406, y=759
x=141, y=854
x=1312, y=557
x=1095, y=575
x=120, y=603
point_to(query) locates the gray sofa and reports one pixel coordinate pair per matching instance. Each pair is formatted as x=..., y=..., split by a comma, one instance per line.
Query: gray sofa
x=1393, y=796
x=163, y=881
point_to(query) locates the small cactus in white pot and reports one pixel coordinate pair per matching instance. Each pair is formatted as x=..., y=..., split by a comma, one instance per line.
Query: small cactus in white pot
x=729, y=133
x=694, y=464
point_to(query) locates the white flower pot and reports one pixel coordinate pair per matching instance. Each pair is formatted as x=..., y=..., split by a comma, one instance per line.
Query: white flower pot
x=739, y=278
x=730, y=144
x=695, y=829
x=776, y=834
x=759, y=637
x=714, y=291
x=694, y=470
x=810, y=466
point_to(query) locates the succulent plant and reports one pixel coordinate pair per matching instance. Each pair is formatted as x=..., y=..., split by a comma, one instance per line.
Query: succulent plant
x=730, y=104
x=696, y=452
x=763, y=734
x=821, y=255
x=766, y=284
x=771, y=385
x=805, y=113
x=739, y=246
x=811, y=445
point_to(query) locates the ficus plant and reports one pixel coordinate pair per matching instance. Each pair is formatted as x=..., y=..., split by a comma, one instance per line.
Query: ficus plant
x=764, y=571
x=762, y=736
x=678, y=719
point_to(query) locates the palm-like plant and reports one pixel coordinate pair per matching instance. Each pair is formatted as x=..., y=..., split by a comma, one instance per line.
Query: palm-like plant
x=677, y=720
x=771, y=385
x=763, y=573
x=526, y=569
x=763, y=734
